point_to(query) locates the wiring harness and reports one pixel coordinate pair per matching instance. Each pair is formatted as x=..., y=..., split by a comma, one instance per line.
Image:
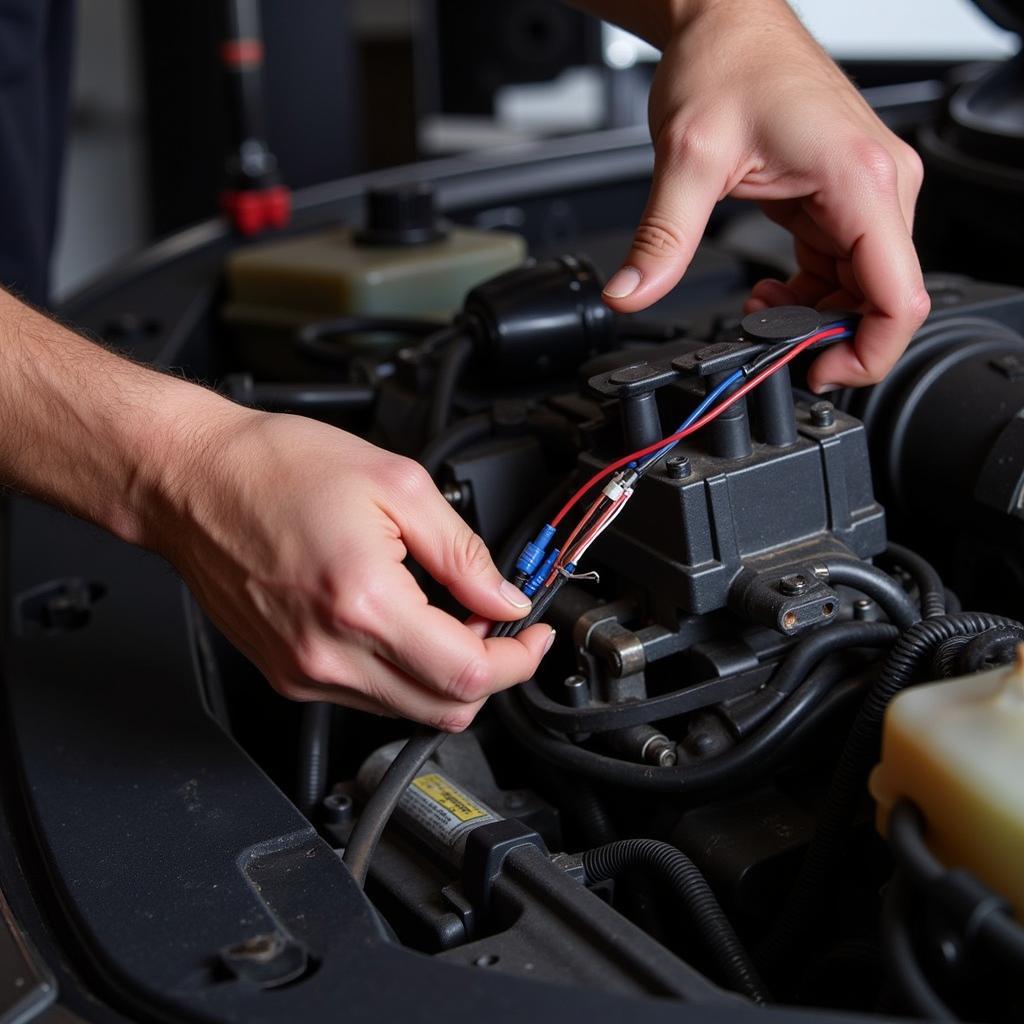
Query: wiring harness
x=541, y=569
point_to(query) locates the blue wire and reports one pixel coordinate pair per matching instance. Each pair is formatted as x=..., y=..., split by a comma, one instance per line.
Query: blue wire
x=709, y=400
x=716, y=393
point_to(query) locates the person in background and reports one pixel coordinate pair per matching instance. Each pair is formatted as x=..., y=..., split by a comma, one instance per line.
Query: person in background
x=292, y=534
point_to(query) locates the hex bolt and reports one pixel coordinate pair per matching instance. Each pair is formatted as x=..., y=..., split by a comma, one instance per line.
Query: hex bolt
x=678, y=467
x=793, y=585
x=823, y=414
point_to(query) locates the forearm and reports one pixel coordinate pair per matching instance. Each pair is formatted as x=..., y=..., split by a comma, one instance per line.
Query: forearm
x=83, y=428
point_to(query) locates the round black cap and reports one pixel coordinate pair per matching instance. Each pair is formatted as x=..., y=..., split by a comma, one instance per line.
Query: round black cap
x=401, y=215
x=781, y=323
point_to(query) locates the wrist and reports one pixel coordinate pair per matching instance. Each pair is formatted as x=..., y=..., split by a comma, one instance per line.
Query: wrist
x=173, y=456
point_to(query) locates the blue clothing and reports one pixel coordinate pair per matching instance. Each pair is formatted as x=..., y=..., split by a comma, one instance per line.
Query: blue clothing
x=35, y=71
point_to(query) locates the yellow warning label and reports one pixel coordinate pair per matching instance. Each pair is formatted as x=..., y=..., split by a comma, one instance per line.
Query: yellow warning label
x=442, y=792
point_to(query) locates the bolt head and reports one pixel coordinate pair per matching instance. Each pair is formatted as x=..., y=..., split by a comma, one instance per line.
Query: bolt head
x=823, y=414
x=678, y=467
x=794, y=584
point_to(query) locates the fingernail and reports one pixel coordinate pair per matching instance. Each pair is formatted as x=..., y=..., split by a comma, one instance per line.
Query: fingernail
x=622, y=283
x=550, y=640
x=513, y=595
x=824, y=389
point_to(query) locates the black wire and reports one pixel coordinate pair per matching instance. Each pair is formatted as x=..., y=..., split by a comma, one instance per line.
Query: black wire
x=310, y=340
x=809, y=651
x=362, y=843
x=749, y=759
x=453, y=439
x=901, y=959
x=314, y=751
x=541, y=604
x=690, y=885
x=932, y=592
x=994, y=928
x=456, y=354
x=879, y=586
x=794, y=670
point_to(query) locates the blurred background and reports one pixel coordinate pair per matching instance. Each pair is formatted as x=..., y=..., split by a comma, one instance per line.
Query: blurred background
x=357, y=85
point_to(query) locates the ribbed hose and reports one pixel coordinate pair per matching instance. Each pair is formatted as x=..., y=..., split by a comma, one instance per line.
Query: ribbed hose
x=929, y=584
x=314, y=751
x=590, y=814
x=734, y=962
x=900, y=669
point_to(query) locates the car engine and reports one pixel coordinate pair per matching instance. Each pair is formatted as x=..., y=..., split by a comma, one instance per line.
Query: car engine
x=773, y=757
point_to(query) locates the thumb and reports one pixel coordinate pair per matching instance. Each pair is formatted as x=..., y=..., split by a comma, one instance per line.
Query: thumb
x=439, y=539
x=689, y=178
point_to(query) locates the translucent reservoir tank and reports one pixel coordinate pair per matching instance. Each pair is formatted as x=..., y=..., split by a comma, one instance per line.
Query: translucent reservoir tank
x=956, y=749
x=404, y=262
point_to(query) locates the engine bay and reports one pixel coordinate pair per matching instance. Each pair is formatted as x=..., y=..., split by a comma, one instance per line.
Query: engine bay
x=677, y=808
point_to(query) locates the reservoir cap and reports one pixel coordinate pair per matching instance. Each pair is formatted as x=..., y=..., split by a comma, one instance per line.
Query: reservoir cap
x=402, y=215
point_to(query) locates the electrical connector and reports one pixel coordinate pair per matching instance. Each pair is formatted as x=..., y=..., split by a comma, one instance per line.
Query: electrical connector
x=621, y=482
x=538, y=578
x=532, y=555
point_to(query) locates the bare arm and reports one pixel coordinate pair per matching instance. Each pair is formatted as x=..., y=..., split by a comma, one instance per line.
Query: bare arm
x=746, y=104
x=290, y=533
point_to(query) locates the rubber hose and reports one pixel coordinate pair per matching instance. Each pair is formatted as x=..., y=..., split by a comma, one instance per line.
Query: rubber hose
x=314, y=751
x=453, y=439
x=860, y=753
x=906, y=826
x=806, y=653
x=906, y=972
x=750, y=758
x=674, y=867
x=311, y=339
x=1000, y=934
x=947, y=655
x=930, y=587
x=591, y=814
x=877, y=585
x=362, y=843
x=988, y=650
x=449, y=369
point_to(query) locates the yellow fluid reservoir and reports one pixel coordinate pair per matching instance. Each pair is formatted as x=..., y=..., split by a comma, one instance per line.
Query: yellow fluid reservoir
x=403, y=262
x=956, y=749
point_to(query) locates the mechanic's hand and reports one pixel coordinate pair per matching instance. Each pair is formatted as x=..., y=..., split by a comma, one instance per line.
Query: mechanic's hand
x=293, y=543
x=746, y=104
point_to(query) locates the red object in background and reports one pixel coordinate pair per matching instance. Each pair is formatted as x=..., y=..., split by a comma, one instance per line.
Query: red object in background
x=251, y=211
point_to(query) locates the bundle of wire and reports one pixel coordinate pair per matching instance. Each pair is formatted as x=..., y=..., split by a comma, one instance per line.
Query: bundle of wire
x=541, y=573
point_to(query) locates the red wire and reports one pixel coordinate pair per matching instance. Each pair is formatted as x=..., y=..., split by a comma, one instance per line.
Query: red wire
x=710, y=415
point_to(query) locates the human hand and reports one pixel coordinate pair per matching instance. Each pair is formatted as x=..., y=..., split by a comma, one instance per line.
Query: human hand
x=292, y=534
x=746, y=104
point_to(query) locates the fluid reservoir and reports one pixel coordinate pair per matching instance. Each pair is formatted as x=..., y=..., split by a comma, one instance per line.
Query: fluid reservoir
x=404, y=261
x=956, y=749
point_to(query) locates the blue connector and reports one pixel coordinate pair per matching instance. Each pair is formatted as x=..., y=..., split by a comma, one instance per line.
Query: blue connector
x=533, y=554
x=537, y=580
